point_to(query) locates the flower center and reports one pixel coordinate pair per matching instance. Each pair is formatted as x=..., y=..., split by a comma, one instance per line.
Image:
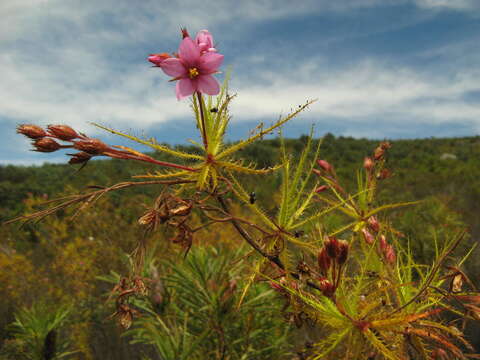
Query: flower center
x=193, y=73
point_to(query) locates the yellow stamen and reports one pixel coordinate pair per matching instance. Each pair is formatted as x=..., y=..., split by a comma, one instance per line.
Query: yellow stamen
x=193, y=73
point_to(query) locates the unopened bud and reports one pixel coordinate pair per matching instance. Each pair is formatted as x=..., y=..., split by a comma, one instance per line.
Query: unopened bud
x=373, y=223
x=91, y=146
x=321, y=188
x=369, y=239
x=390, y=255
x=185, y=33
x=324, y=261
x=331, y=246
x=79, y=158
x=385, y=145
x=32, y=131
x=325, y=165
x=378, y=153
x=342, y=251
x=62, y=132
x=368, y=163
x=157, y=59
x=46, y=145
x=383, y=243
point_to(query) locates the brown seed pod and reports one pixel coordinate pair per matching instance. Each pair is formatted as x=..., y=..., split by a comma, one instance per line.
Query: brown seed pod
x=32, y=131
x=46, y=145
x=62, y=132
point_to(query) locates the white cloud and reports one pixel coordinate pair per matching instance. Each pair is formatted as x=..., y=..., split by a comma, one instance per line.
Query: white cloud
x=63, y=61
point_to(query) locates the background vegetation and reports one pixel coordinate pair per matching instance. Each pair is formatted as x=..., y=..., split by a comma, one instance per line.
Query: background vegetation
x=72, y=265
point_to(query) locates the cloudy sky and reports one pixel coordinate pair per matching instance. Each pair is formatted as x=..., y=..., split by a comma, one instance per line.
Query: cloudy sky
x=379, y=68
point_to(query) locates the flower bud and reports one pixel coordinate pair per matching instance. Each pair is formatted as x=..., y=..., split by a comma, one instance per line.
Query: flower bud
x=157, y=59
x=383, y=243
x=368, y=163
x=378, y=153
x=342, y=251
x=373, y=223
x=185, y=33
x=331, y=247
x=91, y=146
x=79, y=158
x=324, y=261
x=321, y=188
x=62, y=132
x=32, y=131
x=46, y=145
x=369, y=239
x=390, y=255
x=325, y=165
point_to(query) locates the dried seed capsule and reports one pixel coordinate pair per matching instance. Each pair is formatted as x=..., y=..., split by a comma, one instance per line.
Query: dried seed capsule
x=324, y=261
x=79, y=158
x=62, y=132
x=46, y=145
x=32, y=131
x=342, y=251
x=91, y=146
x=331, y=246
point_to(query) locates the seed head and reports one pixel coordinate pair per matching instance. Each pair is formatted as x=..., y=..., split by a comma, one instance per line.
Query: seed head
x=32, y=131
x=373, y=224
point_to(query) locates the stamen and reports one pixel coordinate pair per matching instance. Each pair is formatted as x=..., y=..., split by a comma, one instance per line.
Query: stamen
x=193, y=73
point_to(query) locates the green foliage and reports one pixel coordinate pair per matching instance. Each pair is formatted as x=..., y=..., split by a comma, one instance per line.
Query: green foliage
x=37, y=333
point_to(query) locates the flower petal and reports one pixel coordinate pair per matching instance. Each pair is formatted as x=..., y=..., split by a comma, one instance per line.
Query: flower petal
x=204, y=40
x=189, y=52
x=208, y=84
x=173, y=67
x=185, y=87
x=210, y=62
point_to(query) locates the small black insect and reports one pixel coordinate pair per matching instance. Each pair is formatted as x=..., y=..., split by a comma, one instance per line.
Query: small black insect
x=299, y=233
x=253, y=197
x=214, y=110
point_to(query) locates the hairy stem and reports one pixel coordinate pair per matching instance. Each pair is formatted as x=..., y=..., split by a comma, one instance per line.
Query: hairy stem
x=202, y=117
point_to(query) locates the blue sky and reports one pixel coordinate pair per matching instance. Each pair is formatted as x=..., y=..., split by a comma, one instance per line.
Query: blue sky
x=379, y=68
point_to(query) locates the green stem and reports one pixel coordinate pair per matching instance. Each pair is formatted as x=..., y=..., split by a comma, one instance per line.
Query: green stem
x=202, y=117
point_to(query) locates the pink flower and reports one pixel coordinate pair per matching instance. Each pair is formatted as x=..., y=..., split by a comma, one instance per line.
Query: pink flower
x=193, y=67
x=204, y=41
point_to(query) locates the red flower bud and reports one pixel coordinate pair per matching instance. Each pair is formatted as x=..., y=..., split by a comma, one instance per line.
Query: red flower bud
x=324, y=261
x=325, y=165
x=31, y=131
x=91, y=146
x=62, y=132
x=369, y=239
x=373, y=223
x=368, y=163
x=46, y=145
